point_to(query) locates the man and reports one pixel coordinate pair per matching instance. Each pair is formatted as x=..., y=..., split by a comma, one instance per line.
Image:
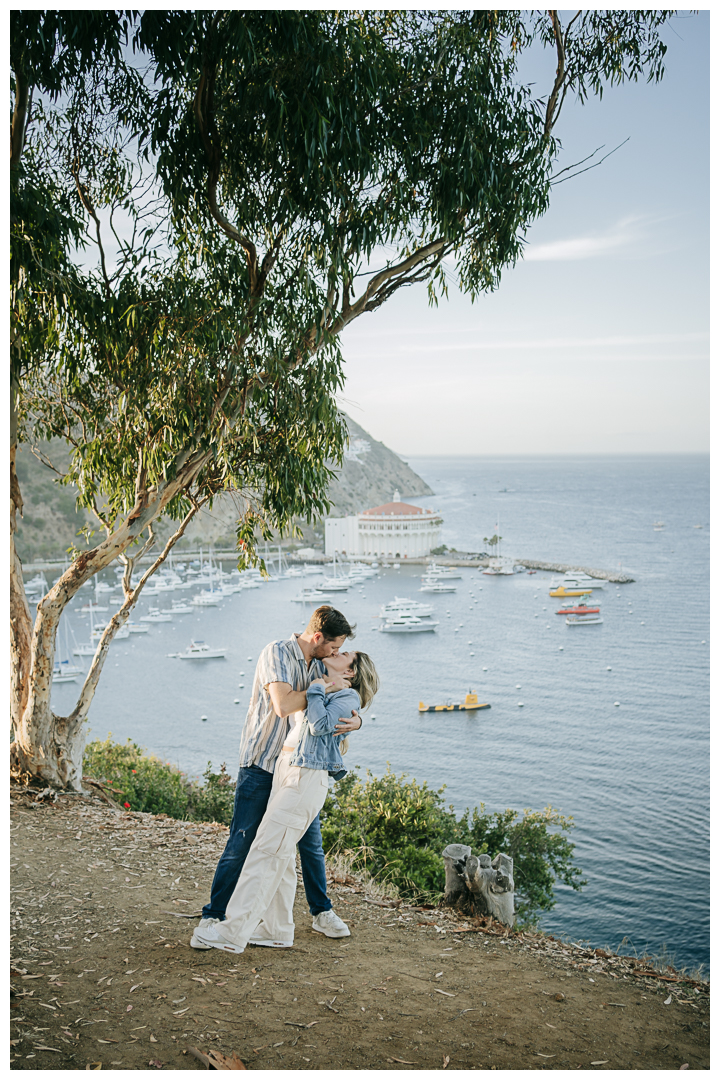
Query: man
x=284, y=671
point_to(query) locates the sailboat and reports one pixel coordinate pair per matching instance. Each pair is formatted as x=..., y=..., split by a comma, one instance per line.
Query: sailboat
x=87, y=648
x=63, y=670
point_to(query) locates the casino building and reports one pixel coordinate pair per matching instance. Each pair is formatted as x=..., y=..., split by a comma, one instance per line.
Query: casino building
x=395, y=530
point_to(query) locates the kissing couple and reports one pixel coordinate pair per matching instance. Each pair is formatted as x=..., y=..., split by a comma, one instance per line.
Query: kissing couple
x=305, y=701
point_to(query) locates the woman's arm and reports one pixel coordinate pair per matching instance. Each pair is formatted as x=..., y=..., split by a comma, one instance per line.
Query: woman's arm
x=324, y=710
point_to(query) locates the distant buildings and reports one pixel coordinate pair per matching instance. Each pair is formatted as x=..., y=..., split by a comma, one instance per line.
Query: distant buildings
x=395, y=530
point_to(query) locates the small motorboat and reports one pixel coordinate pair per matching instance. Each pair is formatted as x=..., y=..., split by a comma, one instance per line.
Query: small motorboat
x=312, y=596
x=154, y=615
x=563, y=591
x=470, y=704
x=437, y=587
x=406, y=624
x=583, y=620
x=578, y=609
x=198, y=650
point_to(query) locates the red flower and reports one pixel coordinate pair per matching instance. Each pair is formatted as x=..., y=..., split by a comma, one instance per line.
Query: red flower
x=126, y=805
x=133, y=770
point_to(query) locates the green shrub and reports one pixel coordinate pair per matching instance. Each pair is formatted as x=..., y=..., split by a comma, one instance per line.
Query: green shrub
x=396, y=828
x=401, y=827
x=214, y=801
x=145, y=783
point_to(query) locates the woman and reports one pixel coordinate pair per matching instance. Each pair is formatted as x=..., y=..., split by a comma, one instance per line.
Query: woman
x=260, y=909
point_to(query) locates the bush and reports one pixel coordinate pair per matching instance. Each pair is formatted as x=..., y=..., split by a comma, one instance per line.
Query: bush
x=394, y=827
x=399, y=829
x=145, y=783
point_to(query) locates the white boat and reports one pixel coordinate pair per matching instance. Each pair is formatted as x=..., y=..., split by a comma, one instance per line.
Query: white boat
x=445, y=572
x=578, y=579
x=198, y=650
x=91, y=608
x=409, y=607
x=581, y=620
x=98, y=632
x=406, y=624
x=137, y=628
x=178, y=608
x=335, y=585
x=437, y=587
x=312, y=596
x=206, y=600
x=154, y=615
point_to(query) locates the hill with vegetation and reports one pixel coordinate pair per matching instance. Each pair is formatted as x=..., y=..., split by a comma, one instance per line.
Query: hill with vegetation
x=51, y=524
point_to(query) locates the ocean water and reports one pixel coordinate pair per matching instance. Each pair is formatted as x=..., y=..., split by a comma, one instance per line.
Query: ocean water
x=634, y=775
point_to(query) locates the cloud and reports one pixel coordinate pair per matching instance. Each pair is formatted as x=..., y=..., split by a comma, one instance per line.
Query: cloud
x=625, y=234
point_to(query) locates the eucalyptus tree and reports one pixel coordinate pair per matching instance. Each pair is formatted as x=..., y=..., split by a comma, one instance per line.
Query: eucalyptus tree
x=309, y=165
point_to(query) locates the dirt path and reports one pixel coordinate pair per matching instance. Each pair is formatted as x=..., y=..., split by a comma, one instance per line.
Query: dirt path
x=102, y=972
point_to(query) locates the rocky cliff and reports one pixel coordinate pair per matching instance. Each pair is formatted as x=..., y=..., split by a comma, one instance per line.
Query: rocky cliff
x=370, y=475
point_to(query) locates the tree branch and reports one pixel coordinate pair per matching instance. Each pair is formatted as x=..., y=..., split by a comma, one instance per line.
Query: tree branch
x=19, y=119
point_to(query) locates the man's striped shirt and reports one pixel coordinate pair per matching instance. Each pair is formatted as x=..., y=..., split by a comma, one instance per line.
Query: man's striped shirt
x=264, y=732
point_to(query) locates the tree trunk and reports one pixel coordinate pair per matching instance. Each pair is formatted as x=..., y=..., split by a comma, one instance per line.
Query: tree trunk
x=47, y=746
x=20, y=622
x=479, y=886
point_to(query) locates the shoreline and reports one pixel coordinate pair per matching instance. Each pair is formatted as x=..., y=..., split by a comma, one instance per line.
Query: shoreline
x=459, y=560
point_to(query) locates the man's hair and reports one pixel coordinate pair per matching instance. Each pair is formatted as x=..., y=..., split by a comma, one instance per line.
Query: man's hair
x=331, y=623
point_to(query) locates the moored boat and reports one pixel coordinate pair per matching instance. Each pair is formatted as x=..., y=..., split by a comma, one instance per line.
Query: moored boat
x=583, y=620
x=562, y=591
x=198, y=650
x=470, y=704
x=578, y=609
x=406, y=624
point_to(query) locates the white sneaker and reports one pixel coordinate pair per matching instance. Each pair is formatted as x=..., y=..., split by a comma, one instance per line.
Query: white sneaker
x=211, y=938
x=330, y=924
x=202, y=925
x=270, y=943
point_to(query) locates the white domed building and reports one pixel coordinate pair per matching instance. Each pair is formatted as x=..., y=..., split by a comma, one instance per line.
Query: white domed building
x=395, y=530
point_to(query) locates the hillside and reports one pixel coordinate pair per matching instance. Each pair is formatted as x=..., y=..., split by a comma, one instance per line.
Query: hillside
x=370, y=475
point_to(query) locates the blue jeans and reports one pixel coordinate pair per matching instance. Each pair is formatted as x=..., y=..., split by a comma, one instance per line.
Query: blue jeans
x=252, y=793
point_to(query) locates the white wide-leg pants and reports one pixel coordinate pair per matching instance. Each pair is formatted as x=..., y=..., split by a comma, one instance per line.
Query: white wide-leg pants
x=262, y=904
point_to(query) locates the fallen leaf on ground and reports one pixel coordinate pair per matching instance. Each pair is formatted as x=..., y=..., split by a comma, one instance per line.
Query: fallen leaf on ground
x=446, y=1061
x=402, y=1061
x=546, y=1055
x=668, y=1000
x=438, y=991
x=600, y=1062
x=93, y=1065
x=213, y=1059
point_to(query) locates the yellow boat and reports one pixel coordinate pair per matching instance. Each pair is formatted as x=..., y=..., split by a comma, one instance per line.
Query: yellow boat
x=470, y=703
x=562, y=591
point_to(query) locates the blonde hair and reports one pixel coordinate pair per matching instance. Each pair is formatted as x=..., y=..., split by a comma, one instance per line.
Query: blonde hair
x=365, y=679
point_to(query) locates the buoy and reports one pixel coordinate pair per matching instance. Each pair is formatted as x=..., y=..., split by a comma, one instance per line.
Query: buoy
x=457, y=629
x=609, y=669
x=203, y=717
x=537, y=616
x=562, y=648
x=241, y=673
x=518, y=687
x=641, y=621
x=472, y=653
x=249, y=657
x=372, y=716
x=617, y=704
x=702, y=642
x=236, y=701
x=484, y=669
x=520, y=705
x=469, y=642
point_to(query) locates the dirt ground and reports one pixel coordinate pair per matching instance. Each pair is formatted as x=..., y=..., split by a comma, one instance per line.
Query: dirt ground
x=103, y=905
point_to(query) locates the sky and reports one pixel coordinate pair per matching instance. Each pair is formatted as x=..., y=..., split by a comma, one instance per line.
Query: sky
x=597, y=342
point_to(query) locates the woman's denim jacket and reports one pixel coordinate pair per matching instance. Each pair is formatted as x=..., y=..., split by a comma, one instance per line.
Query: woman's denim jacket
x=318, y=747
